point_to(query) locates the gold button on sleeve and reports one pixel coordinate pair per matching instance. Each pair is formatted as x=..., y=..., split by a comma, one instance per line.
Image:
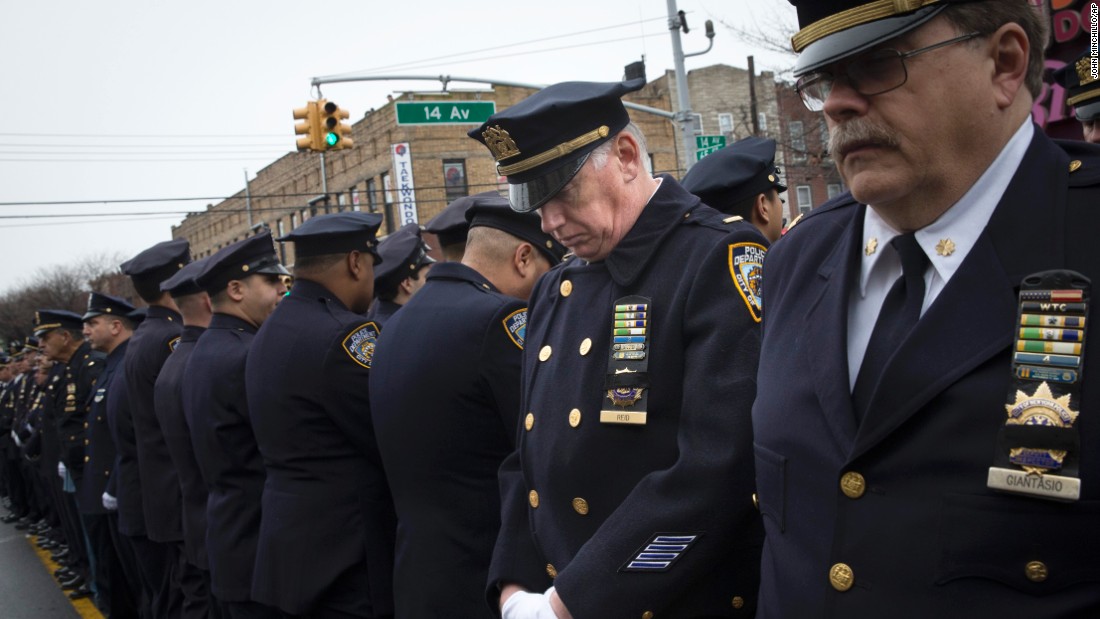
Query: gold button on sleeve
x=529, y=421
x=647, y=614
x=853, y=485
x=87, y=458
x=551, y=571
x=841, y=577
x=544, y=353
x=566, y=288
x=738, y=602
x=533, y=498
x=575, y=417
x=580, y=506
x=1036, y=571
x=755, y=502
x=586, y=346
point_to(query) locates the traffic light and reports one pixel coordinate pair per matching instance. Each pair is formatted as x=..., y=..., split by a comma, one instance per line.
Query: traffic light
x=335, y=134
x=311, y=127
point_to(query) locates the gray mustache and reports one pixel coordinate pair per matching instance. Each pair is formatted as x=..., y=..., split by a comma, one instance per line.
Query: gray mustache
x=844, y=136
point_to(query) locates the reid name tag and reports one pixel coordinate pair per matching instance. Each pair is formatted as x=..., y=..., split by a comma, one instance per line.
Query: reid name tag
x=1058, y=487
x=624, y=417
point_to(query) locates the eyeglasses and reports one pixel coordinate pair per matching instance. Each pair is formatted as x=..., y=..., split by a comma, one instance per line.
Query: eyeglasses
x=870, y=74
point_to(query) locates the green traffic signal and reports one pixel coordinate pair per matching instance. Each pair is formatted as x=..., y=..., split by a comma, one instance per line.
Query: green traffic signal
x=332, y=139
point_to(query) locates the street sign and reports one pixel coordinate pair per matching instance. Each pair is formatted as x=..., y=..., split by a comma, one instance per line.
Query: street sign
x=703, y=152
x=710, y=141
x=444, y=112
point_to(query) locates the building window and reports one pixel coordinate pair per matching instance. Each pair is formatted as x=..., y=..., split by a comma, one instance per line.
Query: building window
x=805, y=199
x=762, y=120
x=341, y=202
x=454, y=178
x=355, y=199
x=833, y=189
x=282, y=246
x=798, y=140
x=697, y=124
x=293, y=221
x=725, y=123
x=372, y=195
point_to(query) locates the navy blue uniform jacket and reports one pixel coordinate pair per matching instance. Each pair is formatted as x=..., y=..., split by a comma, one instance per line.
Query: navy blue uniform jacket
x=684, y=475
x=927, y=538
x=177, y=437
x=100, y=451
x=125, y=481
x=76, y=388
x=326, y=506
x=152, y=342
x=445, y=400
x=216, y=407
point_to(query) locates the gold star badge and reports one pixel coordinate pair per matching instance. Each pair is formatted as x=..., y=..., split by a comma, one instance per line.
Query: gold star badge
x=945, y=247
x=872, y=246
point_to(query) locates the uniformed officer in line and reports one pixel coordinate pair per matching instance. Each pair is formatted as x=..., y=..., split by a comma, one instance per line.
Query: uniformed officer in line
x=1082, y=85
x=400, y=274
x=11, y=479
x=326, y=538
x=442, y=446
x=156, y=545
x=450, y=225
x=925, y=434
x=630, y=494
x=60, y=333
x=742, y=180
x=244, y=284
x=107, y=329
x=194, y=306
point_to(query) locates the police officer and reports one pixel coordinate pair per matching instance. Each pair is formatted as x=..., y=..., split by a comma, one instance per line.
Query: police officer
x=194, y=569
x=156, y=547
x=326, y=539
x=108, y=330
x=1080, y=80
x=244, y=284
x=923, y=432
x=742, y=180
x=450, y=225
x=631, y=490
x=400, y=274
x=442, y=446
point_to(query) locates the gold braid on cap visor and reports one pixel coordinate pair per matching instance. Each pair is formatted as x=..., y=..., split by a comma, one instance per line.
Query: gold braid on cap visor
x=558, y=151
x=855, y=16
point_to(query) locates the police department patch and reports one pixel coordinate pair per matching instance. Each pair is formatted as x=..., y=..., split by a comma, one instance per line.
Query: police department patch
x=173, y=343
x=515, y=325
x=747, y=268
x=359, y=344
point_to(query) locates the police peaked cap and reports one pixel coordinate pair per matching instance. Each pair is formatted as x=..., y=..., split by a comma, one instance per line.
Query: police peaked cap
x=451, y=224
x=525, y=226
x=336, y=233
x=100, y=304
x=46, y=320
x=159, y=262
x=403, y=253
x=831, y=30
x=1082, y=86
x=183, y=283
x=741, y=170
x=541, y=142
x=247, y=257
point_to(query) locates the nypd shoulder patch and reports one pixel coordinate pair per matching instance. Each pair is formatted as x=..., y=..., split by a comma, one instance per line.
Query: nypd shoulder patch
x=515, y=325
x=359, y=344
x=173, y=343
x=660, y=552
x=746, y=262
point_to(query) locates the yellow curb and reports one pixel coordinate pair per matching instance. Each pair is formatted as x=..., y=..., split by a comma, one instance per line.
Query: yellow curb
x=84, y=606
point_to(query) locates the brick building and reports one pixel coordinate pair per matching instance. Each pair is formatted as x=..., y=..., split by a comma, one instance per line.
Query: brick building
x=810, y=173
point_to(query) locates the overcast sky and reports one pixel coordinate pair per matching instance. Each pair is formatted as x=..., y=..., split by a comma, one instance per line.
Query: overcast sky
x=154, y=100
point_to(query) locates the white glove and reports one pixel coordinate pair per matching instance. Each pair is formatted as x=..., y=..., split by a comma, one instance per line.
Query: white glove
x=61, y=470
x=15, y=437
x=524, y=605
x=110, y=503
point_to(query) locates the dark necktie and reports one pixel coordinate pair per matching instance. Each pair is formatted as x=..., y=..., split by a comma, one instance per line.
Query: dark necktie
x=899, y=314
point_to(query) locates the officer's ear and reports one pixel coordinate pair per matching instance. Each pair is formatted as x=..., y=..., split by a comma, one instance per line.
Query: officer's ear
x=523, y=259
x=235, y=290
x=628, y=154
x=360, y=265
x=760, y=215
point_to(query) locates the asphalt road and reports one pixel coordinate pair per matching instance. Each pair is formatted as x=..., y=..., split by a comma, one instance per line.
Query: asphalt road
x=27, y=590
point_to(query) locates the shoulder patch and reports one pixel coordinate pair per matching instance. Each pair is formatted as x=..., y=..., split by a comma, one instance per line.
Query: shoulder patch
x=359, y=344
x=746, y=262
x=515, y=325
x=173, y=343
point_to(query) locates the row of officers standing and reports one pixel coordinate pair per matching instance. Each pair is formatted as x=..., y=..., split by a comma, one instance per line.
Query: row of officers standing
x=629, y=430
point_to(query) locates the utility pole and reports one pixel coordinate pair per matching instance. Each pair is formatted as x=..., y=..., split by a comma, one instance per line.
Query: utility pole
x=247, y=199
x=683, y=113
x=752, y=98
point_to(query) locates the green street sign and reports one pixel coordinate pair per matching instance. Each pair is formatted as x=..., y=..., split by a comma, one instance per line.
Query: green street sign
x=444, y=112
x=703, y=152
x=710, y=141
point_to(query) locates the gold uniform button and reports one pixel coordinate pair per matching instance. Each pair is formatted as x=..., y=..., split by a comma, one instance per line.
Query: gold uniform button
x=87, y=458
x=738, y=602
x=529, y=421
x=575, y=417
x=649, y=613
x=853, y=485
x=755, y=502
x=841, y=577
x=566, y=288
x=87, y=442
x=551, y=570
x=533, y=498
x=580, y=506
x=586, y=345
x=1074, y=165
x=545, y=353
x=1036, y=571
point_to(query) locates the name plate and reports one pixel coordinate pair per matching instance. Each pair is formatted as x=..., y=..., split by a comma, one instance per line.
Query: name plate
x=634, y=418
x=1058, y=487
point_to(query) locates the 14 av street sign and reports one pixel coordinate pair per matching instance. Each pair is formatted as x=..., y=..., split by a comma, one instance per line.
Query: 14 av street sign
x=444, y=112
